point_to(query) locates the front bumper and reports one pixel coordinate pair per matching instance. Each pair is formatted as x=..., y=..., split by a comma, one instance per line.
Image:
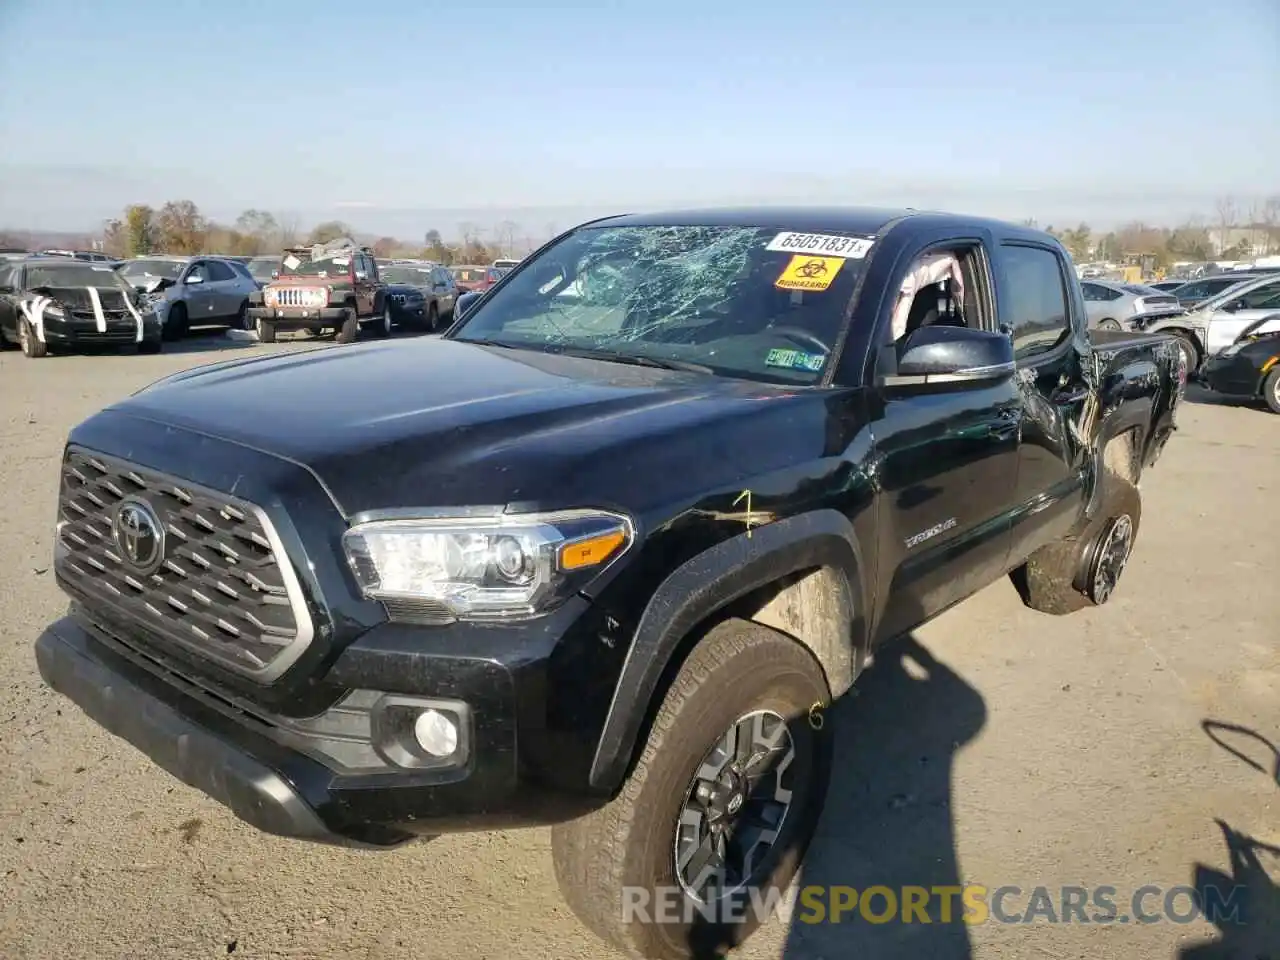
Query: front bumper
x=70, y=332
x=1236, y=375
x=300, y=318
x=259, y=767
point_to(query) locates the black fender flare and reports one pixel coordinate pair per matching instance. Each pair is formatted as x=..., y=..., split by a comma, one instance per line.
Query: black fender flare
x=706, y=583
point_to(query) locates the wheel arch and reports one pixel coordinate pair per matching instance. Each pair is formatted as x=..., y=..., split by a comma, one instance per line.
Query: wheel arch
x=802, y=576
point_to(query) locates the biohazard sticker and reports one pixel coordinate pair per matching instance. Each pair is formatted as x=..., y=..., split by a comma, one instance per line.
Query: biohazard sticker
x=821, y=245
x=809, y=273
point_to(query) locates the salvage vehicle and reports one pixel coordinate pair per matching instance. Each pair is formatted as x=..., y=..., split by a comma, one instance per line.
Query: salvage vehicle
x=1250, y=367
x=1218, y=322
x=188, y=292
x=422, y=296
x=1125, y=306
x=63, y=303
x=1194, y=292
x=327, y=286
x=475, y=279
x=263, y=269
x=602, y=554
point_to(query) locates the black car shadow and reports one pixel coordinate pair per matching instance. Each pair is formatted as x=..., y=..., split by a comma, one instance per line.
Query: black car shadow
x=1244, y=904
x=888, y=820
x=1203, y=396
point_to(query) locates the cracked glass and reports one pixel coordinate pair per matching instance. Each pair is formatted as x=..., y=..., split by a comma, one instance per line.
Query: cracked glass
x=705, y=298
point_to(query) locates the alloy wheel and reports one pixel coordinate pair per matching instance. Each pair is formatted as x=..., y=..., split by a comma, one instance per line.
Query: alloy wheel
x=1113, y=554
x=734, y=807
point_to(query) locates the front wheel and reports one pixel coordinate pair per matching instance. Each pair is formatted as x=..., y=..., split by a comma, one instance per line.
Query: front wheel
x=32, y=346
x=1190, y=350
x=1108, y=324
x=266, y=331
x=350, y=328
x=716, y=816
x=382, y=324
x=433, y=318
x=1271, y=390
x=177, y=323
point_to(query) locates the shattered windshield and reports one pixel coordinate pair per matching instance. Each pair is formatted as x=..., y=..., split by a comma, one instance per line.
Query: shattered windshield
x=736, y=301
x=73, y=273
x=292, y=266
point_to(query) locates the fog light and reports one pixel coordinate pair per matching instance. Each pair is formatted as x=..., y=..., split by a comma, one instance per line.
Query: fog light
x=436, y=733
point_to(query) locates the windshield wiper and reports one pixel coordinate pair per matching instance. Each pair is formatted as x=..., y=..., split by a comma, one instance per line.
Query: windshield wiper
x=636, y=360
x=480, y=341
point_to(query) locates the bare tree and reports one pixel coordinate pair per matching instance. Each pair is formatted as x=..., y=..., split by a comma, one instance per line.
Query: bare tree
x=505, y=235
x=288, y=225
x=1227, y=213
x=1271, y=220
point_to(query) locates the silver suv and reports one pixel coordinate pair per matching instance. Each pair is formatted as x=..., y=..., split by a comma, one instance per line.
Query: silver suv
x=191, y=292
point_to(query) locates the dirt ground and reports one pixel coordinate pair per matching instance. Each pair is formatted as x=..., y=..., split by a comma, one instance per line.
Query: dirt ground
x=997, y=747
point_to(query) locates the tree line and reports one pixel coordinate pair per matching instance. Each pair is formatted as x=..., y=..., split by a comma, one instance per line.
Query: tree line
x=179, y=227
x=1234, y=233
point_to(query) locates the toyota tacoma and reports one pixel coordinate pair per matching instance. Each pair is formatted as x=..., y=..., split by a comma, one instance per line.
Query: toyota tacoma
x=601, y=555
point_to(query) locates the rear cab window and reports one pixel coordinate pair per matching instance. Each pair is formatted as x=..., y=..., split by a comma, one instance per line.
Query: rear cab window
x=1034, y=301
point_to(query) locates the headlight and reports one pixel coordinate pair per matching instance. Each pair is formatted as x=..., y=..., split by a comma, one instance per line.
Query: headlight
x=484, y=567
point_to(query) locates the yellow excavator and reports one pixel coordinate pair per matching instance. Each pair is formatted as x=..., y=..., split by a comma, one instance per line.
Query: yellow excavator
x=1139, y=267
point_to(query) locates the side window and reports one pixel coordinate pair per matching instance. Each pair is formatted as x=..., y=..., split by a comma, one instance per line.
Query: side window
x=1193, y=291
x=199, y=269
x=1092, y=291
x=939, y=288
x=1266, y=297
x=219, y=271
x=1110, y=294
x=7, y=276
x=1035, y=300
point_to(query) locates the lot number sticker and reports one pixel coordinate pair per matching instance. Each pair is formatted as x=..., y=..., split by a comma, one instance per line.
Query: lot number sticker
x=821, y=244
x=809, y=273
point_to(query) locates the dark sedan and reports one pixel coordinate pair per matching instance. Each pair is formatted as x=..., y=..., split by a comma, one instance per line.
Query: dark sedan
x=1250, y=367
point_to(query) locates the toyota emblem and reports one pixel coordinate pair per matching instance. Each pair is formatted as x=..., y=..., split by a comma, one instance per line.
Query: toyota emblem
x=139, y=535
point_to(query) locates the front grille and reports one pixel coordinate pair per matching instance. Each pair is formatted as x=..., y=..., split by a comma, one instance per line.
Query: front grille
x=219, y=587
x=298, y=297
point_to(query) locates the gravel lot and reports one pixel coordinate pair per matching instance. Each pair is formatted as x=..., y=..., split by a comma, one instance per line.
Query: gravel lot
x=997, y=747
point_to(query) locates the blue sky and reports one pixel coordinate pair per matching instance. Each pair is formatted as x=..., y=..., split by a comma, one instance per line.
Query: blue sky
x=400, y=116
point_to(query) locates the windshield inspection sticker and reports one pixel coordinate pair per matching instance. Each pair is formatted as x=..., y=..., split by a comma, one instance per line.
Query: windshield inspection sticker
x=795, y=360
x=821, y=244
x=809, y=273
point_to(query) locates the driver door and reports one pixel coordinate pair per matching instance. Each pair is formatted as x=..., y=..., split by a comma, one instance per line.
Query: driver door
x=198, y=293
x=948, y=459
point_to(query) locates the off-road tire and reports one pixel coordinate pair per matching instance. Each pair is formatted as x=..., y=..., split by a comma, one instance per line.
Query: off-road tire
x=1186, y=342
x=383, y=323
x=1054, y=579
x=32, y=346
x=1271, y=390
x=177, y=324
x=738, y=667
x=350, y=328
x=266, y=331
x=151, y=346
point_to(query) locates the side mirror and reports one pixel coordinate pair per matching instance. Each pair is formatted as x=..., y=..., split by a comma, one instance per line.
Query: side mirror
x=361, y=275
x=1233, y=306
x=152, y=285
x=195, y=278
x=940, y=355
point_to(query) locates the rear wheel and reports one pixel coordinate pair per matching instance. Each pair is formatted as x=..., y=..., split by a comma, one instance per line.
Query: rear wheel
x=266, y=330
x=719, y=809
x=1271, y=390
x=350, y=328
x=242, y=318
x=1074, y=573
x=32, y=346
x=1108, y=324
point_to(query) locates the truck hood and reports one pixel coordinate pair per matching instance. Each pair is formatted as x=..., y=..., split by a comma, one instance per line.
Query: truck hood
x=79, y=298
x=438, y=422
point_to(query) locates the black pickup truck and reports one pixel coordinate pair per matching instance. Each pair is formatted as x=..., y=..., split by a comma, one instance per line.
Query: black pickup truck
x=601, y=555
